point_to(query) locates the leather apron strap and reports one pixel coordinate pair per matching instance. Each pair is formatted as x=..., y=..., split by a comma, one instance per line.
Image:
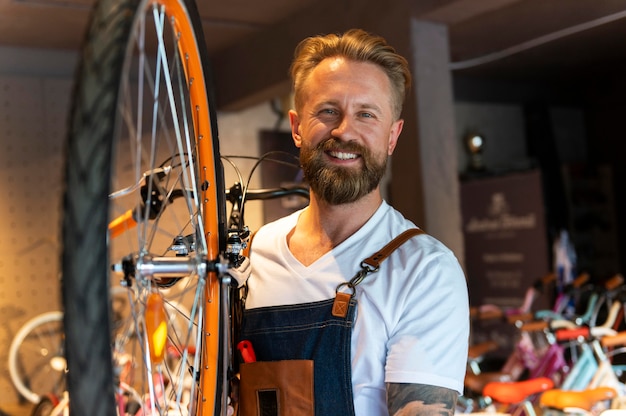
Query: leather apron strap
x=378, y=257
x=369, y=265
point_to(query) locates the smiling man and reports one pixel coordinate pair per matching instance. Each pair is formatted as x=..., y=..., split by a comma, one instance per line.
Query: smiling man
x=401, y=347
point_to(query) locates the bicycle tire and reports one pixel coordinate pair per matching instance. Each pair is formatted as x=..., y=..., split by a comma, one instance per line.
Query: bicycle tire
x=45, y=405
x=36, y=360
x=111, y=144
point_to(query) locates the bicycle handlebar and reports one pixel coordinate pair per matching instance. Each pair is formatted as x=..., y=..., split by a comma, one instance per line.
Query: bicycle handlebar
x=234, y=194
x=270, y=193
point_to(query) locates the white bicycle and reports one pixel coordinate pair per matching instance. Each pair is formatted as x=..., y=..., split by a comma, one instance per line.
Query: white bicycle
x=36, y=358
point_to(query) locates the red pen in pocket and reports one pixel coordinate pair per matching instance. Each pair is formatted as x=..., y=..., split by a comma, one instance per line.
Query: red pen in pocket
x=246, y=350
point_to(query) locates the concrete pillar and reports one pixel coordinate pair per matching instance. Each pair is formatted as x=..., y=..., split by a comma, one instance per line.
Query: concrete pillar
x=425, y=180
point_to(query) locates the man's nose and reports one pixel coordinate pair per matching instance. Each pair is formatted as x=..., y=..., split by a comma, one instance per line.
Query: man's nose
x=345, y=129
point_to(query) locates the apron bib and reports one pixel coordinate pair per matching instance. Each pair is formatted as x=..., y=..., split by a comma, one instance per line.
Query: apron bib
x=308, y=332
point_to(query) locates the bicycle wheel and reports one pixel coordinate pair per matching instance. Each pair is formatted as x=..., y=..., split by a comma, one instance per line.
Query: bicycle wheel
x=145, y=197
x=36, y=358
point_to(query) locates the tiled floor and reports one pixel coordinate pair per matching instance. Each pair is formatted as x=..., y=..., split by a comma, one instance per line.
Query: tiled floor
x=15, y=410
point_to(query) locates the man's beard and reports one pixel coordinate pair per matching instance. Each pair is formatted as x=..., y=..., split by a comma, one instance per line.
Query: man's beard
x=336, y=184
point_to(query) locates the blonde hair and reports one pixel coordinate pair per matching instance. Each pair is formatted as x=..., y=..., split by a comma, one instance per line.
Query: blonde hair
x=357, y=45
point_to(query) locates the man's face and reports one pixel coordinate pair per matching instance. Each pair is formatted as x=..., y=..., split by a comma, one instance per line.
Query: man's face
x=345, y=129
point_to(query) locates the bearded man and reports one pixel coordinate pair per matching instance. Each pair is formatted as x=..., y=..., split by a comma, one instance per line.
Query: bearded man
x=385, y=340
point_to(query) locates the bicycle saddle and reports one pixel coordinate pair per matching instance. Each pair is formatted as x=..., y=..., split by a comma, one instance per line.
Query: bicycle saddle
x=517, y=391
x=585, y=399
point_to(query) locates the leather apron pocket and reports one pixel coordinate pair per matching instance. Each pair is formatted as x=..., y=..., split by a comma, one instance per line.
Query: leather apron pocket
x=276, y=388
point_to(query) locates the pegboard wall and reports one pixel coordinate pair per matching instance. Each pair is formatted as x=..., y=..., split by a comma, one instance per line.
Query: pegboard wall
x=32, y=127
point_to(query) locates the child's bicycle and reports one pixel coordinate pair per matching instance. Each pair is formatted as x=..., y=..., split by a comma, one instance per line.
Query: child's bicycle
x=145, y=208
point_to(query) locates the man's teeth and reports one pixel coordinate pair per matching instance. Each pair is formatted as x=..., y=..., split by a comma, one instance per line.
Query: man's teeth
x=343, y=155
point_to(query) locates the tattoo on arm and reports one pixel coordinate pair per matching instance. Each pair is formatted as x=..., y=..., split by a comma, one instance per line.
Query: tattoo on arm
x=420, y=399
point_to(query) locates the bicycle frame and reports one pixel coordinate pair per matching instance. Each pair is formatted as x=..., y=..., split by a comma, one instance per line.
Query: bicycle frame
x=62, y=408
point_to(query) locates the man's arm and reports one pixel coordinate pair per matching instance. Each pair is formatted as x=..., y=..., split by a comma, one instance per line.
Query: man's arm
x=420, y=399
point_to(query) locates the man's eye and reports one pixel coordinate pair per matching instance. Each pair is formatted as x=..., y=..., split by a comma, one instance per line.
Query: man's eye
x=367, y=115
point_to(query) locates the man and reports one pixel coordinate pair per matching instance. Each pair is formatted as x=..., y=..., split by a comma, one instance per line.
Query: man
x=402, y=348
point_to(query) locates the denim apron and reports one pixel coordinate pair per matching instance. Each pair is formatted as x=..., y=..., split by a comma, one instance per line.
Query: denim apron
x=319, y=331
x=308, y=331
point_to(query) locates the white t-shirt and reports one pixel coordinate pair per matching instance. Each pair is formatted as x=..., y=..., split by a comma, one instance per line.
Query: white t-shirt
x=412, y=322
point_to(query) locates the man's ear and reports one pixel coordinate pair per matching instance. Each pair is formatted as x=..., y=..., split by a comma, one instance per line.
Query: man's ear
x=294, y=121
x=394, y=133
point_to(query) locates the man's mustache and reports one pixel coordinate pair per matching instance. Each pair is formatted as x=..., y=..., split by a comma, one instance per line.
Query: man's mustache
x=343, y=146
